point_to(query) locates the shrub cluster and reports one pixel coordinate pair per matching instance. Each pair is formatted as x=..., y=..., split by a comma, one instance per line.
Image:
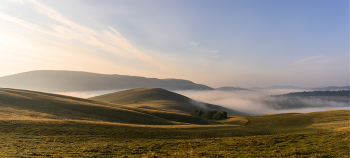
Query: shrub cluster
x=210, y=114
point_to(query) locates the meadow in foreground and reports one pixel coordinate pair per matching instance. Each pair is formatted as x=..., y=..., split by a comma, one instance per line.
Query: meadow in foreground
x=28, y=128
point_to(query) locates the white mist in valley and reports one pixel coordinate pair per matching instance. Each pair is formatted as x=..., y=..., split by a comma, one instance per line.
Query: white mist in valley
x=88, y=94
x=261, y=102
x=250, y=102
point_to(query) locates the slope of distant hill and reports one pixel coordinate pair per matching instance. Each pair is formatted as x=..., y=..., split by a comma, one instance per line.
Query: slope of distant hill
x=159, y=99
x=65, y=81
x=304, y=99
x=331, y=88
x=339, y=93
x=278, y=87
x=23, y=104
x=232, y=89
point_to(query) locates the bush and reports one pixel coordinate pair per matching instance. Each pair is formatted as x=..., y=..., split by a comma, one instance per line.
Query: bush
x=210, y=114
x=197, y=112
x=217, y=116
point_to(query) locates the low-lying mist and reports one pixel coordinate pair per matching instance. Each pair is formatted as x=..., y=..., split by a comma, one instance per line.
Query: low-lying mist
x=250, y=102
x=261, y=102
x=89, y=94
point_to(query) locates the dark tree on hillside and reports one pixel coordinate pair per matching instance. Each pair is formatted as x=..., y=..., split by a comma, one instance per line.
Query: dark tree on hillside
x=217, y=116
x=197, y=112
x=224, y=115
x=194, y=112
x=210, y=114
x=200, y=113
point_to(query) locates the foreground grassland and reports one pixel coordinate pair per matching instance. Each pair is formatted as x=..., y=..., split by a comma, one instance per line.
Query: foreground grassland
x=35, y=124
x=326, y=135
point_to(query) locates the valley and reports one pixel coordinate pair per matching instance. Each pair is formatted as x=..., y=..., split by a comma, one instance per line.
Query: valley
x=43, y=124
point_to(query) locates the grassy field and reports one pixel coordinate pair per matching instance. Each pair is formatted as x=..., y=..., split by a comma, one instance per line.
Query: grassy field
x=34, y=124
x=56, y=138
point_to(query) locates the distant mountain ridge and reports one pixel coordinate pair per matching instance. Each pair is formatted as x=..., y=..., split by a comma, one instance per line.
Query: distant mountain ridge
x=232, y=89
x=278, y=87
x=67, y=81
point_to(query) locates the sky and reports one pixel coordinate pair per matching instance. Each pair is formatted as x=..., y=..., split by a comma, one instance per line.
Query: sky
x=243, y=43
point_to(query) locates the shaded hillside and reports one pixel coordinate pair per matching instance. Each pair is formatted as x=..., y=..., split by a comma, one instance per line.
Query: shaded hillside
x=159, y=99
x=65, y=81
x=339, y=93
x=21, y=104
x=331, y=88
x=232, y=89
x=310, y=99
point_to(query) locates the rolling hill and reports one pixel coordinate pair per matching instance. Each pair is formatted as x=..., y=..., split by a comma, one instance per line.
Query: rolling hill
x=67, y=81
x=23, y=104
x=159, y=99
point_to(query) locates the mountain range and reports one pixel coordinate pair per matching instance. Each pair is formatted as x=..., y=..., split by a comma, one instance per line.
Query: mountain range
x=232, y=89
x=72, y=81
x=67, y=81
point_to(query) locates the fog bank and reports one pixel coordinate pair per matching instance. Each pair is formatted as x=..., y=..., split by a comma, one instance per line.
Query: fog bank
x=261, y=102
x=89, y=94
x=251, y=102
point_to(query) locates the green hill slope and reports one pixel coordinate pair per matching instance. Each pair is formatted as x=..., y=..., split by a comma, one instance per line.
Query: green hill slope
x=22, y=104
x=159, y=99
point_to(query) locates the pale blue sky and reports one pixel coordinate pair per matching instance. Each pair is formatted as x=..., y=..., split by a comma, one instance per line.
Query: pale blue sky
x=219, y=43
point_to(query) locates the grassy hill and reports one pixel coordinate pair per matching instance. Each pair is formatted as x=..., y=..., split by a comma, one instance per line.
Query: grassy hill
x=30, y=104
x=159, y=99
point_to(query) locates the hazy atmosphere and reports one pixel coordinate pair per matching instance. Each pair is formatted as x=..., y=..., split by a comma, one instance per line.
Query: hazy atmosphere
x=174, y=78
x=226, y=43
x=250, y=102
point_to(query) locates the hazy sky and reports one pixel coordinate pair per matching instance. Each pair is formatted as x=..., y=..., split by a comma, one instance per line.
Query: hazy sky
x=218, y=43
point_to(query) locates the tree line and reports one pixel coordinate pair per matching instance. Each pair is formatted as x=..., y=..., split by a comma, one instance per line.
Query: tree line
x=210, y=114
x=316, y=93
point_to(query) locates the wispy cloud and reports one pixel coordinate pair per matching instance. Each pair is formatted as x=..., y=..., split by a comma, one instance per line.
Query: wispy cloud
x=17, y=1
x=3, y=8
x=194, y=43
x=320, y=61
x=109, y=40
x=216, y=53
x=306, y=59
